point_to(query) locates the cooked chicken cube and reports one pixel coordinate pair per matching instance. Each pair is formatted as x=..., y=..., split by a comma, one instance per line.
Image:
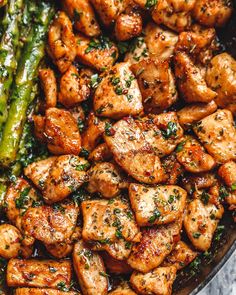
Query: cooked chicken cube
x=128, y=26
x=11, y=244
x=213, y=13
x=51, y=224
x=200, y=223
x=193, y=157
x=181, y=256
x=81, y=11
x=156, y=83
x=90, y=270
x=115, y=266
x=93, y=133
x=39, y=291
x=133, y=152
x=218, y=135
x=62, y=132
x=143, y=3
x=160, y=42
x=221, y=77
x=39, y=127
x=173, y=169
x=73, y=88
x=106, y=179
x=99, y=53
x=138, y=51
x=100, y=154
x=118, y=94
x=49, y=85
x=157, y=282
x=108, y=10
x=157, y=205
x=190, y=81
x=106, y=220
x=228, y=173
x=38, y=171
x=123, y=289
x=61, y=39
x=174, y=14
x=66, y=175
x=39, y=273
x=156, y=243
x=192, y=113
x=60, y=250
x=199, y=181
x=19, y=197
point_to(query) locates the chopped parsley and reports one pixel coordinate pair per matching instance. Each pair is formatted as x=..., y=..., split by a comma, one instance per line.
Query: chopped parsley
x=62, y=286
x=150, y=3
x=156, y=215
x=109, y=131
x=233, y=187
x=82, y=167
x=170, y=131
x=196, y=235
x=95, y=80
x=205, y=197
x=101, y=43
x=23, y=199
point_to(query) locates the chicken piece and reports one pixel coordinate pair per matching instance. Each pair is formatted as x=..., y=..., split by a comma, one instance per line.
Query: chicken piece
x=61, y=40
x=100, y=53
x=217, y=134
x=73, y=88
x=51, y=224
x=213, y=13
x=11, y=244
x=192, y=113
x=118, y=94
x=176, y=15
x=108, y=10
x=62, y=132
x=157, y=205
x=160, y=42
x=228, y=173
x=159, y=281
x=200, y=181
x=79, y=115
x=110, y=221
x=173, y=169
x=39, y=291
x=100, y=154
x=38, y=172
x=123, y=289
x=93, y=133
x=39, y=273
x=156, y=83
x=128, y=26
x=137, y=51
x=39, y=127
x=200, y=223
x=156, y=243
x=193, y=157
x=133, y=153
x=81, y=11
x=221, y=77
x=115, y=266
x=19, y=197
x=66, y=175
x=60, y=250
x=190, y=81
x=106, y=179
x=49, y=85
x=90, y=270
x=181, y=256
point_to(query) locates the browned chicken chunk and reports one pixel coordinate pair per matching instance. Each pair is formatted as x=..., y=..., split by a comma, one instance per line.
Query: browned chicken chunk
x=49, y=85
x=228, y=174
x=138, y=51
x=100, y=154
x=128, y=26
x=115, y=266
x=39, y=291
x=173, y=169
x=123, y=289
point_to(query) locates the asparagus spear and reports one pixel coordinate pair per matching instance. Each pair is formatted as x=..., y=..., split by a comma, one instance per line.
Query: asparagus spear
x=24, y=81
x=8, y=46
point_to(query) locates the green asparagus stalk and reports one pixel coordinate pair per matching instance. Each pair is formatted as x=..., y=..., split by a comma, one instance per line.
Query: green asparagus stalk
x=33, y=52
x=8, y=47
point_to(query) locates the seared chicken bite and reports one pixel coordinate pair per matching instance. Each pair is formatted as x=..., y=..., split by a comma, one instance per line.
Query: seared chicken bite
x=138, y=51
x=118, y=94
x=61, y=132
x=199, y=181
x=157, y=282
x=213, y=13
x=66, y=175
x=218, y=135
x=81, y=11
x=173, y=169
x=39, y=291
x=73, y=88
x=123, y=289
x=190, y=81
x=156, y=83
x=156, y=243
x=61, y=40
x=38, y=273
x=228, y=173
x=100, y=154
x=201, y=221
x=49, y=85
x=156, y=205
x=221, y=77
x=90, y=270
x=99, y=53
x=128, y=26
x=116, y=266
x=181, y=256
